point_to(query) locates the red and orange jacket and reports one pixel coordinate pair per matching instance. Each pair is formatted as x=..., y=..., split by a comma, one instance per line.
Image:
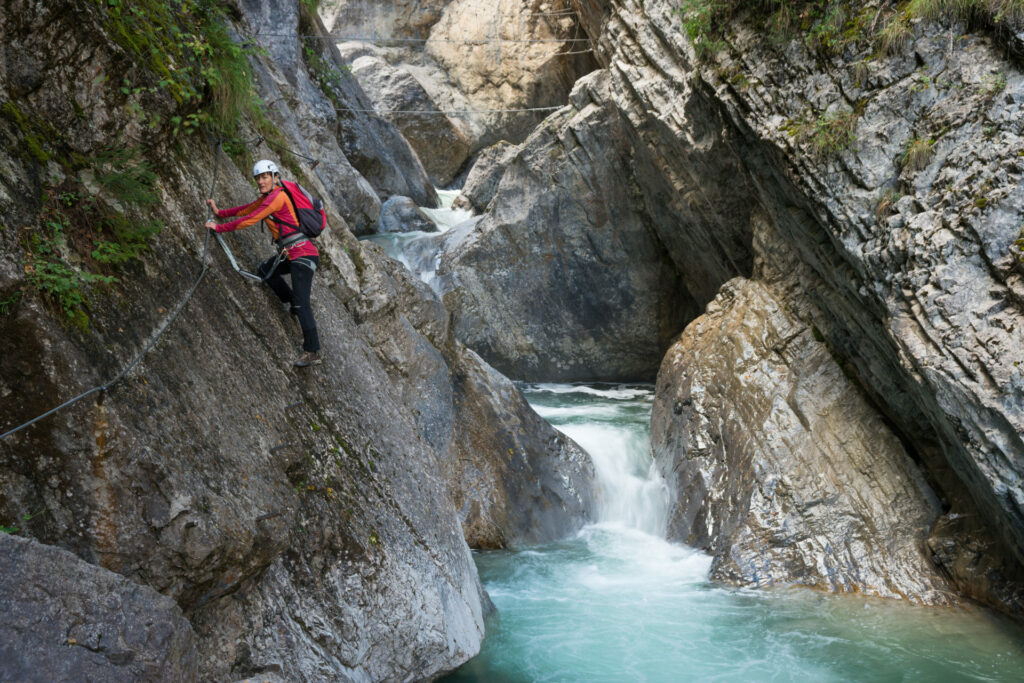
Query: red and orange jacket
x=274, y=204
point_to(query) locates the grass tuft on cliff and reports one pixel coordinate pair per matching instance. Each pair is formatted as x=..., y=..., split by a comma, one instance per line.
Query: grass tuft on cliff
x=830, y=25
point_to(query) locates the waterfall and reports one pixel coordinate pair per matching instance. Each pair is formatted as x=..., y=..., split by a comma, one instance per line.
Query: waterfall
x=630, y=491
x=419, y=251
x=618, y=602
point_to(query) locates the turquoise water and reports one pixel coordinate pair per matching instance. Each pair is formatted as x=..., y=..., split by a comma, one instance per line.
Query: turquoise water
x=618, y=603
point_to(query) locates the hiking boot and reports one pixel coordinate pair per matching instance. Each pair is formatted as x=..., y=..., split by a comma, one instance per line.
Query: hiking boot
x=307, y=358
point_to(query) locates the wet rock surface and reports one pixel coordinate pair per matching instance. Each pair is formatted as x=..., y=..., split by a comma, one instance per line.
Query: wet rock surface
x=542, y=490
x=67, y=620
x=400, y=214
x=781, y=469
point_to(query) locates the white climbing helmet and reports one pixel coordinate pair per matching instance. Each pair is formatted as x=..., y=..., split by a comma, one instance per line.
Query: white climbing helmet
x=264, y=166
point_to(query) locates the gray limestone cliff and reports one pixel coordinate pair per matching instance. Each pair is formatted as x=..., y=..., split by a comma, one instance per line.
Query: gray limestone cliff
x=308, y=524
x=564, y=278
x=782, y=470
x=896, y=246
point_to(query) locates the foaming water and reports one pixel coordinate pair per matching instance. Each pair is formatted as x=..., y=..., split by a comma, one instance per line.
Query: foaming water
x=419, y=251
x=445, y=216
x=619, y=603
x=610, y=423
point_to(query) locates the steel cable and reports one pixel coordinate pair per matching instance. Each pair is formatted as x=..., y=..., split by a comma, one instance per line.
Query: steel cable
x=159, y=332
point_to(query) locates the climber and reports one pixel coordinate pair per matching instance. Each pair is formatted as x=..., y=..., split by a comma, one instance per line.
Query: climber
x=301, y=257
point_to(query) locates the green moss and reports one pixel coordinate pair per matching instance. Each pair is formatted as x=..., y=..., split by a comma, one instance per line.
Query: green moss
x=33, y=132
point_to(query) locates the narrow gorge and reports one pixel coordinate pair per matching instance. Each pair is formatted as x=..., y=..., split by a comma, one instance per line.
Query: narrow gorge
x=637, y=316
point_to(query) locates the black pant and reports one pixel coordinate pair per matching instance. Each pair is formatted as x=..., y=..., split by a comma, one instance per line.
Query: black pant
x=301, y=270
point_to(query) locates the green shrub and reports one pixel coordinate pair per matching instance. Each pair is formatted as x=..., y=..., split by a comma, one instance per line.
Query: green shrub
x=826, y=25
x=187, y=49
x=50, y=274
x=886, y=204
x=82, y=238
x=994, y=11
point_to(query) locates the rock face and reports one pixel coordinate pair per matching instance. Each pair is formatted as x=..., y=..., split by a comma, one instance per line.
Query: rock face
x=513, y=478
x=490, y=62
x=302, y=521
x=896, y=246
x=783, y=471
x=482, y=181
x=363, y=159
x=67, y=620
x=541, y=491
x=399, y=18
x=563, y=278
x=438, y=140
x=400, y=214
x=509, y=55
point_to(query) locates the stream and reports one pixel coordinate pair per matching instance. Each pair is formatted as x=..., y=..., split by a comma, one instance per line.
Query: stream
x=618, y=602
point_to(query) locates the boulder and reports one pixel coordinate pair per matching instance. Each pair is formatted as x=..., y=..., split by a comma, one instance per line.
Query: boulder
x=439, y=141
x=67, y=620
x=400, y=214
x=485, y=174
x=536, y=485
x=563, y=279
x=779, y=467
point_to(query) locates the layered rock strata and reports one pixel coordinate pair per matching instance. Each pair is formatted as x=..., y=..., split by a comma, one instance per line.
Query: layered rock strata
x=896, y=244
x=781, y=469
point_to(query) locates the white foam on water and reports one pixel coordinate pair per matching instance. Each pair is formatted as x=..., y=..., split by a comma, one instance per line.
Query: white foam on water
x=445, y=217
x=620, y=603
x=615, y=392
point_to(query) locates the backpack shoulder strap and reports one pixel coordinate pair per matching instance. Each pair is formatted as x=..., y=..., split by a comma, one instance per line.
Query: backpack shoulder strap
x=295, y=212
